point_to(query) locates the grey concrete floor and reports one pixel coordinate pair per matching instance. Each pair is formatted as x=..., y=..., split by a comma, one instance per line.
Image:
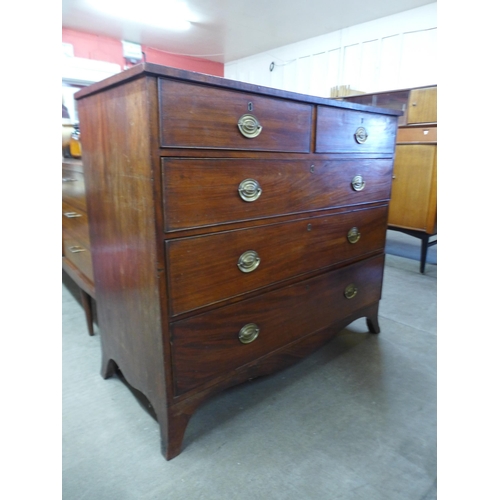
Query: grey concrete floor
x=354, y=421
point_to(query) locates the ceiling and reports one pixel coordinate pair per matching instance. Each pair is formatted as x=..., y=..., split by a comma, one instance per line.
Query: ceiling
x=226, y=30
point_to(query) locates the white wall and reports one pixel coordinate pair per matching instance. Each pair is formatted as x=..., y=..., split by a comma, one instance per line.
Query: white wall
x=393, y=52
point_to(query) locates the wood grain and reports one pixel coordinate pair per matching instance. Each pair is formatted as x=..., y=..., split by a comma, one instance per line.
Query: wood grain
x=203, y=270
x=336, y=129
x=201, y=193
x=163, y=160
x=194, y=116
x=208, y=345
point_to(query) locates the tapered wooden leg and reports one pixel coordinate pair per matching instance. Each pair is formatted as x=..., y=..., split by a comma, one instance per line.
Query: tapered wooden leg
x=176, y=428
x=87, y=307
x=372, y=324
x=174, y=421
x=372, y=319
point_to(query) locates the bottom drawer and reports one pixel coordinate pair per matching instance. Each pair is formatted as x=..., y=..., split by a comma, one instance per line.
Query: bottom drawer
x=78, y=255
x=208, y=345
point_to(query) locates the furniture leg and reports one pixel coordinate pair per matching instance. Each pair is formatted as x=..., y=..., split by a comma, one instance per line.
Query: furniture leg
x=373, y=325
x=423, y=252
x=372, y=321
x=171, y=445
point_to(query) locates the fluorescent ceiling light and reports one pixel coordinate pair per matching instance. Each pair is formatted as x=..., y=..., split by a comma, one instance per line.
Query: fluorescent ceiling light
x=168, y=14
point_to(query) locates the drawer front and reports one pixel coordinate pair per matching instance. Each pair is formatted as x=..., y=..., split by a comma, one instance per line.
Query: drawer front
x=417, y=134
x=208, y=345
x=73, y=189
x=208, y=192
x=350, y=131
x=75, y=222
x=193, y=116
x=79, y=255
x=207, y=269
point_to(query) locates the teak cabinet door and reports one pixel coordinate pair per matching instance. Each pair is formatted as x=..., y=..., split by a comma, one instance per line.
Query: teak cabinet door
x=413, y=201
x=422, y=106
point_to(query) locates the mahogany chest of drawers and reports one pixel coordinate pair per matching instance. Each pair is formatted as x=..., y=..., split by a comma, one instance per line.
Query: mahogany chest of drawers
x=234, y=228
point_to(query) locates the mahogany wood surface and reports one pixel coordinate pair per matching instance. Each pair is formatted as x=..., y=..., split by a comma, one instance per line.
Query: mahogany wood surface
x=203, y=270
x=190, y=113
x=336, y=130
x=115, y=140
x=208, y=345
x=163, y=160
x=205, y=192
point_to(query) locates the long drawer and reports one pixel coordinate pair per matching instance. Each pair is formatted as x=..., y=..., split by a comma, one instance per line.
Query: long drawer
x=73, y=189
x=348, y=131
x=75, y=222
x=78, y=254
x=194, y=116
x=204, y=192
x=207, y=345
x=207, y=269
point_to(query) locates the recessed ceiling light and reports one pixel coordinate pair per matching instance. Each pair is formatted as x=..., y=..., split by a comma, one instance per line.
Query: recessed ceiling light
x=167, y=14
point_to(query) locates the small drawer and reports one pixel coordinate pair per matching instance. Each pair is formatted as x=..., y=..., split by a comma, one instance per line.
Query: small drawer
x=209, y=192
x=216, y=342
x=207, y=269
x=352, y=131
x=79, y=255
x=73, y=189
x=195, y=116
x=416, y=135
x=75, y=222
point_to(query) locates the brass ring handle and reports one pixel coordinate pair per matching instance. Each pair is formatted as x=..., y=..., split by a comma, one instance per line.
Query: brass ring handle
x=249, y=261
x=353, y=235
x=350, y=291
x=248, y=333
x=72, y=215
x=249, y=126
x=249, y=190
x=76, y=249
x=357, y=183
x=361, y=135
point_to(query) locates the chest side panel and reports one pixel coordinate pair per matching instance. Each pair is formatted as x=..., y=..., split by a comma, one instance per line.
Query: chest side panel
x=116, y=151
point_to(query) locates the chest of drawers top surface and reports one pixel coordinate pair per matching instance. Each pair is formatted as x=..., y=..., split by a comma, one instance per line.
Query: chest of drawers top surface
x=234, y=228
x=159, y=71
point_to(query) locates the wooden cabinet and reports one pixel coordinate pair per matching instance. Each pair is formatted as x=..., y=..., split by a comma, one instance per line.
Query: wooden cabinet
x=413, y=207
x=413, y=203
x=76, y=258
x=234, y=228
